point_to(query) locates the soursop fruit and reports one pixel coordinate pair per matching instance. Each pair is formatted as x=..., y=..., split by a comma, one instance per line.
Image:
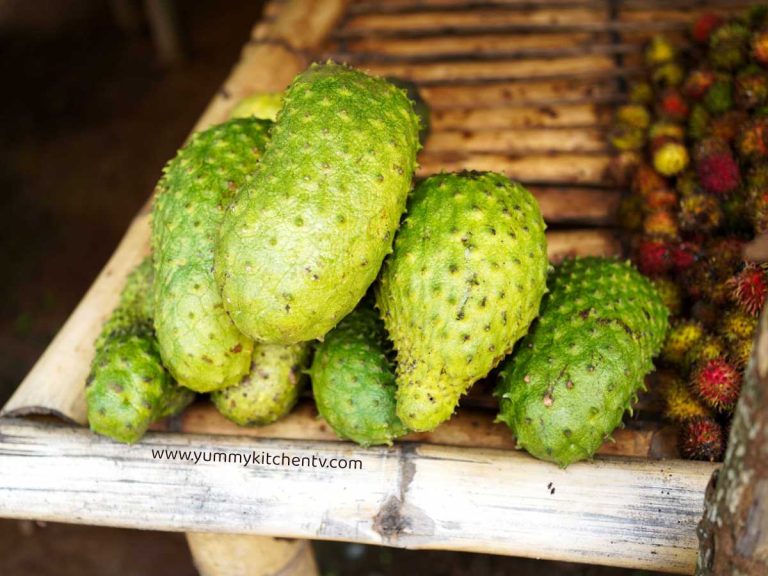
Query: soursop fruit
x=353, y=381
x=420, y=106
x=302, y=243
x=264, y=105
x=463, y=284
x=128, y=388
x=572, y=378
x=199, y=343
x=270, y=390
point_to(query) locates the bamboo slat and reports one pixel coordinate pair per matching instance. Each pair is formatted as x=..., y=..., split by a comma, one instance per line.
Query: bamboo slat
x=617, y=511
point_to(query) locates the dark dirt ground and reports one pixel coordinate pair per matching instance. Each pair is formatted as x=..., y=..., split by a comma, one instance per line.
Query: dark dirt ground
x=88, y=119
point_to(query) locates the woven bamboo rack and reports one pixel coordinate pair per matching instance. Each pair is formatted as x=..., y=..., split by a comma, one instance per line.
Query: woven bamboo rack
x=524, y=87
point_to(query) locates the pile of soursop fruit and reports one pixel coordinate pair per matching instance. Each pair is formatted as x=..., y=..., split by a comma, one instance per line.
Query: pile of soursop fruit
x=298, y=247
x=696, y=137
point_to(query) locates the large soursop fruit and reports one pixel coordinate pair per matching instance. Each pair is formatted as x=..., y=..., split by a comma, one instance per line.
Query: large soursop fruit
x=128, y=388
x=300, y=246
x=463, y=284
x=567, y=386
x=353, y=381
x=270, y=390
x=199, y=343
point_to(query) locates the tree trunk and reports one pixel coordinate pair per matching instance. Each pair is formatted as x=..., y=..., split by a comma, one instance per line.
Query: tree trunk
x=733, y=533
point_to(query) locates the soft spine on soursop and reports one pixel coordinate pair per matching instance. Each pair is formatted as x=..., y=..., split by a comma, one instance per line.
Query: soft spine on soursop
x=301, y=244
x=567, y=386
x=199, y=343
x=353, y=381
x=463, y=284
x=128, y=388
x=270, y=390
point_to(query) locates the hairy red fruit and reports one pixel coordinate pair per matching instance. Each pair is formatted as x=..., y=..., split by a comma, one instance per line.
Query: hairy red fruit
x=672, y=105
x=654, y=258
x=716, y=167
x=701, y=438
x=749, y=288
x=704, y=26
x=647, y=180
x=697, y=83
x=685, y=255
x=717, y=383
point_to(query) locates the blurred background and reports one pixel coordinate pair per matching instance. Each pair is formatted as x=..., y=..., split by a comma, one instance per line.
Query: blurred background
x=91, y=109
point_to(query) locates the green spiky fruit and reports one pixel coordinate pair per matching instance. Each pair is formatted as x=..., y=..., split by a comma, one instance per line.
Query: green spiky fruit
x=420, y=106
x=270, y=390
x=682, y=337
x=264, y=105
x=462, y=286
x=353, y=381
x=200, y=345
x=568, y=384
x=301, y=245
x=128, y=388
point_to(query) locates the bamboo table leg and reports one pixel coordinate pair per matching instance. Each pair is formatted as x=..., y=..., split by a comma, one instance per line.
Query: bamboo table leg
x=246, y=555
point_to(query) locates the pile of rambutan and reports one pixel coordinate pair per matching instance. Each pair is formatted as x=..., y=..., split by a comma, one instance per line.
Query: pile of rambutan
x=693, y=141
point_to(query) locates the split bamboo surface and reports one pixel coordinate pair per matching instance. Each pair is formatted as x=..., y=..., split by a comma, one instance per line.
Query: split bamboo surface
x=525, y=87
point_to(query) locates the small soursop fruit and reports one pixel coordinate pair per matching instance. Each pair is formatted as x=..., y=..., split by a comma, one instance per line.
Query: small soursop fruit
x=462, y=286
x=264, y=105
x=200, y=345
x=571, y=379
x=301, y=245
x=128, y=388
x=353, y=381
x=270, y=390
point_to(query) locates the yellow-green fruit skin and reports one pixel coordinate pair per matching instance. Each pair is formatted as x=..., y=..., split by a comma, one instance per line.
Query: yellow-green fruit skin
x=264, y=105
x=199, y=343
x=302, y=243
x=270, y=390
x=128, y=388
x=353, y=381
x=463, y=284
x=568, y=384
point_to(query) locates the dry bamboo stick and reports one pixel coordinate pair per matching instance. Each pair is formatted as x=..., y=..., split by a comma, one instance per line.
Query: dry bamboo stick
x=535, y=93
x=544, y=16
x=407, y=6
x=615, y=511
x=507, y=69
x=302, y=24
x=554, y=116
x=582, y=205
x=519, y=142
x=566, y=168
x=567, y=243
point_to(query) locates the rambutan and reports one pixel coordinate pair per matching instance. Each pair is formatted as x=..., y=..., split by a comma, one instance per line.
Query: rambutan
x=633, y=115
x=654, y=257
x=659, y=51
x=670, y=159
x=641, y=93
x=664, y=131
x=647, y=180
x=670, y=294
x=669, y=74
x=709, y=348
x=759, y=47
x=700, y=212
x=751, y=88
x=704, y=26
x=719, y=97
x=697, y=83
x=752, y=143
x=717, y=383
x=681, y=338
x=699, y=122
x=684, y=255
x=728, y=46
x=726, y=127
x=737, y=325
x=701, y=438
x=679, y=403
x=672, y=106
x=749, y=288
x=687, y=182
x=661, y=199
x=716, y=167
x=757, y=197
x=661, y=224
x=625, y=137
x=740, y=351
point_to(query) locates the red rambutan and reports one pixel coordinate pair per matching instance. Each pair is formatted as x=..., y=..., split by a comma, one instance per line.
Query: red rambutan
x=647, y=180
x=654, y=258
x=672, y=105
x=753, y=140
x=759, y=46
x=697, y=83
x=716, y=167
x=701, y=438
x=661, y=199
x=704, y=26
x=717, y=383
x=684, y=255
x=661, y=224
x=749, y=288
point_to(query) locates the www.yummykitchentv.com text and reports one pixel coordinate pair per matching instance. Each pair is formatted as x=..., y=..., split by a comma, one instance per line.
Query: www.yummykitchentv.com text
x=255, y=458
